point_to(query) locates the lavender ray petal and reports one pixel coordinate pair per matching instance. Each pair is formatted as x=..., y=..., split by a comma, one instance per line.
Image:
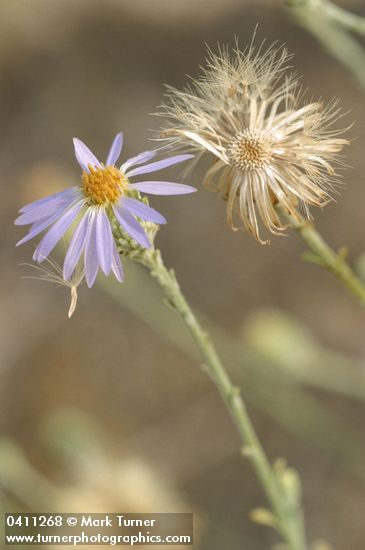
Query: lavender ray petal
x=38, y=227
x=90, y=254
x=143, y=211
x=84, y=155
x=154, y=166
x=76, y=247
x=139, y=159
x=117, y=267
x=162, y=188
x=45, y=210
x=56, y=232
x=132, y=227
x=60, y=196
x=115, y=150
x=104, y=241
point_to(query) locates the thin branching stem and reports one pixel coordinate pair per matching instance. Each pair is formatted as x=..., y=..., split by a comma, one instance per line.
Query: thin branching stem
x=324, y=255
x=287, y=511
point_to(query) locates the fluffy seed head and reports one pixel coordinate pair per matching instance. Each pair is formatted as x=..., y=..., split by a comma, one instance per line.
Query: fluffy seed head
x=104, y=185
x=270, y=145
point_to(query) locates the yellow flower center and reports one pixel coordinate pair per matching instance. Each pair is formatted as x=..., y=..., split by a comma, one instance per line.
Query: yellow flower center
x=104, y=185
x=249, y=151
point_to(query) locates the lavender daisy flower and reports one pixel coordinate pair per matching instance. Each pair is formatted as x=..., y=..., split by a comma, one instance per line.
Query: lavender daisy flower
x=105, y=193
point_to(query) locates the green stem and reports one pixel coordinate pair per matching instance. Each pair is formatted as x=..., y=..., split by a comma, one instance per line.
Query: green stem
x=336, y=14
x=323, y=254
x=288, y=513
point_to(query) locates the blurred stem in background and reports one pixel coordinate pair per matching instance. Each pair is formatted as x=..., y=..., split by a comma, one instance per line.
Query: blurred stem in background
x=287, y=345
x=280, y=484
x=19, y=479
x=331, y=25
x=322, y=254
x=336, y=14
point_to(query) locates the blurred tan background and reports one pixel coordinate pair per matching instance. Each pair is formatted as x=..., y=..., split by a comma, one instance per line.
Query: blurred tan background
x=102, y=412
